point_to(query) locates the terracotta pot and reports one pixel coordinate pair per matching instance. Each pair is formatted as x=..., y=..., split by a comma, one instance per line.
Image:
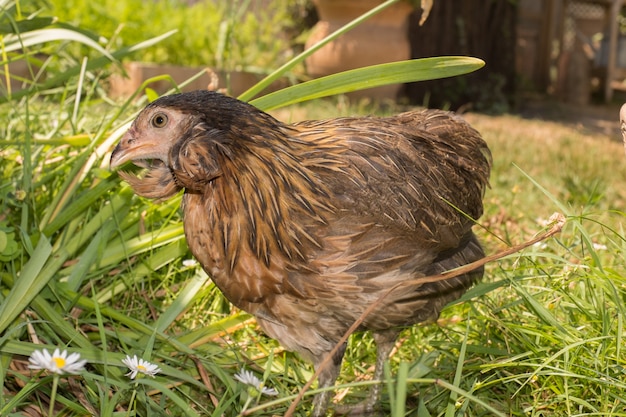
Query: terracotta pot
x=380, y=39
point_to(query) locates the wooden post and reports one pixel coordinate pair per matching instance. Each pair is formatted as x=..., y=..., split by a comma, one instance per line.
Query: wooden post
x=612, y=58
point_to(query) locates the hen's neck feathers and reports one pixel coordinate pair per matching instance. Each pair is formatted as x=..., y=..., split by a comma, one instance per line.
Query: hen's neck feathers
x=255, y=182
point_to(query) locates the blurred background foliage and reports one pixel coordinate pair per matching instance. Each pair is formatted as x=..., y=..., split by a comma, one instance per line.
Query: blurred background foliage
x=225, y=34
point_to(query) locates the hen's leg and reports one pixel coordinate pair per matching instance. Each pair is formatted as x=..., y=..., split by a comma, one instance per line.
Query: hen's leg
x=327, y=378
x=385, y=341
x=384, y=344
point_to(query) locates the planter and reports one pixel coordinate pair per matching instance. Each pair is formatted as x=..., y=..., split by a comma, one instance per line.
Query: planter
x=380, y=39
x=234, y=82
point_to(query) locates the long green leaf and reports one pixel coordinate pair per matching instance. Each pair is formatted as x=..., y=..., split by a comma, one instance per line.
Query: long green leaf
x=37, y=37
x=22, y=394
x=27, y=286
x=368, y=77
x=64, y=329
x=26, y=25
x=119, y=251
x=79, y=205
x=451, y=408
x=183, y=300
x=401, y=389
x=90, y=256
x=157, y=259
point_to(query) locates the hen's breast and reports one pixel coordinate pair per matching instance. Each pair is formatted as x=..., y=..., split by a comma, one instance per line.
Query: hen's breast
x=227, y=256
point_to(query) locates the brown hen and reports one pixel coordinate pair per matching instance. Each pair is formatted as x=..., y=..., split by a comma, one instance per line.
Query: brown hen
x=306, y=225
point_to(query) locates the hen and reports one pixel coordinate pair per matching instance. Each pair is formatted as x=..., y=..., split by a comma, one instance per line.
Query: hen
x=306, y=225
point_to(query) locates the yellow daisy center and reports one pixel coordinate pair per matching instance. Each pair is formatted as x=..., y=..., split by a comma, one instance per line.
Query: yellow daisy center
x=60, y=362
x=141, y=367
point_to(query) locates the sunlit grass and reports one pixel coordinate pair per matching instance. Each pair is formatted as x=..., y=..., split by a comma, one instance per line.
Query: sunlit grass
x=541, y=335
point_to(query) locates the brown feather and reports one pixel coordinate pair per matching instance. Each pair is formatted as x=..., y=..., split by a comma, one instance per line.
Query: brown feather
x=306, y=225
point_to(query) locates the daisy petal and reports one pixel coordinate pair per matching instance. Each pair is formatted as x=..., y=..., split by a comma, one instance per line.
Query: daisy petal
x=248, y=378
x=138, y=365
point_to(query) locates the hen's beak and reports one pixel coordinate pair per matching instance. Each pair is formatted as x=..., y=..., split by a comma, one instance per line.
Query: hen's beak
x=140, y=151
x=124, y=151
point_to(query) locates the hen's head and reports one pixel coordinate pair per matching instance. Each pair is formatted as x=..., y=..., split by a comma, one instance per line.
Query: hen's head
x=182, y=140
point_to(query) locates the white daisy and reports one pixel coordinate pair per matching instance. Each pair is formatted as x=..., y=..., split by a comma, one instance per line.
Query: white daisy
x=139, y=366
x=59, y=362
x=248, y=378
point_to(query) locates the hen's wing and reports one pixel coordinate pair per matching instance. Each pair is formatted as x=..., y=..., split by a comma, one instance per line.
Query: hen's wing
x=423, y=173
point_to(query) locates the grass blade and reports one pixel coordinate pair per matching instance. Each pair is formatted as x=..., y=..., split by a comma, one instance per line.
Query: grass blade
x=451, y=409
x=36, y=37
x=469, y=396
x=401, y=389
x=27, y=286
x=182, y=301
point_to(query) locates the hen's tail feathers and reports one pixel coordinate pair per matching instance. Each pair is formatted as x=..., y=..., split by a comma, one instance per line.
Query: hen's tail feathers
x=467, y=252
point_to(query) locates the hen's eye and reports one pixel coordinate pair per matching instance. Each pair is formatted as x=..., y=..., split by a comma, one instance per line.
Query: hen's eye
x=159, y=120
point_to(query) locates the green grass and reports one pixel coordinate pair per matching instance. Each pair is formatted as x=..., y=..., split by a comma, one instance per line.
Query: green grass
x=88, y=266
x=541, y=335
